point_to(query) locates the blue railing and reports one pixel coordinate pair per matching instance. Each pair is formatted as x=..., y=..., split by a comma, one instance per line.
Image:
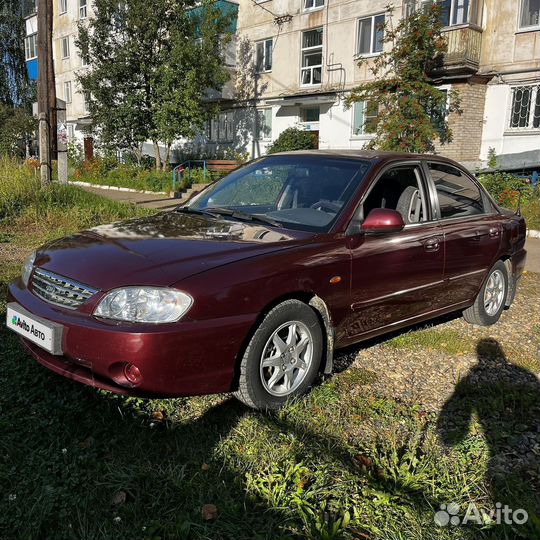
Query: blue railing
x=180, y=170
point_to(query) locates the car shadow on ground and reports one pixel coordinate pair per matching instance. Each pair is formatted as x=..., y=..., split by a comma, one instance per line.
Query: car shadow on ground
x=345, y=357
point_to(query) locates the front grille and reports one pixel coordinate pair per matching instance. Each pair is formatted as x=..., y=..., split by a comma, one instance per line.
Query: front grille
x=59, y=290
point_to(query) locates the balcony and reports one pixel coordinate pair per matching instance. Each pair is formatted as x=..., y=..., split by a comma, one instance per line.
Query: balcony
x=464, y=47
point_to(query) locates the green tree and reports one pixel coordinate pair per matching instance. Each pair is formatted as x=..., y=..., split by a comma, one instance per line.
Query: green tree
x=16, y=127
x=412, y=111
x=15, y=88
x=293, y=139
x=152, y=66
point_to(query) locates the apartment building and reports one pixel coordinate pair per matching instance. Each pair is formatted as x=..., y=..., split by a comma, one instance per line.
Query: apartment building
x=67, y=61
x=296, y=61
x=305, y=59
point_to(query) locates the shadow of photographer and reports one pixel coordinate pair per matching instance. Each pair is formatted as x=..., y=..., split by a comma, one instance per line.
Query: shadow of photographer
x=504, y=400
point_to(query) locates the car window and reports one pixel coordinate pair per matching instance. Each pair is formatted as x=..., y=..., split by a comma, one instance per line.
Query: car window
x=399, y=189
x=458, y=195
x=299, y=191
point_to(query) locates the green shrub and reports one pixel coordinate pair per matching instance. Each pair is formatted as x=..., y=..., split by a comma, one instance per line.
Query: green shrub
x=293, y=139
x=505, y=188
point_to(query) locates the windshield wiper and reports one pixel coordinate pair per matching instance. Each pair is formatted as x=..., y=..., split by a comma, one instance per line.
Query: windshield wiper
x=189, y=210
x=245, y=216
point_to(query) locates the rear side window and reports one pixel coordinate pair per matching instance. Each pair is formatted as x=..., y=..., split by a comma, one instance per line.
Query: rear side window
x=458, y=195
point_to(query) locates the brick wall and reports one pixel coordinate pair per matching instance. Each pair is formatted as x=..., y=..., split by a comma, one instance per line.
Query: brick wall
x=466, y=127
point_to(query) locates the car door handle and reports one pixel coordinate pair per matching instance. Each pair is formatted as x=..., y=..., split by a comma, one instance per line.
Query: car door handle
x=432, y=244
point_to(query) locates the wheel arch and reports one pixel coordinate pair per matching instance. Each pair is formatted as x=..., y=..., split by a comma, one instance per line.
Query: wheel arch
x=325, y=319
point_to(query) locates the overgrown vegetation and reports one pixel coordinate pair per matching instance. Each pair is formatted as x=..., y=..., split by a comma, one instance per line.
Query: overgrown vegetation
x=507, y=190
x=412, y=111
x=40, y=213
x=293, y=139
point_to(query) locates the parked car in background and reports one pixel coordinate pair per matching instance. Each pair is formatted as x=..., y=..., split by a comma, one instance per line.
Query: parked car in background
x=253, y=284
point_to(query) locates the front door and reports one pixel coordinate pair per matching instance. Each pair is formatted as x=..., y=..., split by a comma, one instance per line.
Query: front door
x=396, y=276
x=472, y=234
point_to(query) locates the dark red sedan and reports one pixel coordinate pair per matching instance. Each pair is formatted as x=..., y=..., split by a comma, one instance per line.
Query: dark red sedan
x=253, y=284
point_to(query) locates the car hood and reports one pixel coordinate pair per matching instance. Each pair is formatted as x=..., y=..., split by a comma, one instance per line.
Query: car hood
x=160, y=250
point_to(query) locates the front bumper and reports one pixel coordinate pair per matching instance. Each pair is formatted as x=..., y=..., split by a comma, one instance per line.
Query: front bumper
x=180, y=359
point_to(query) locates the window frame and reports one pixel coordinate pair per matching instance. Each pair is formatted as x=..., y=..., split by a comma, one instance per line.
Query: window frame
x=489, y=208
x=313, y=7
x=371, y=52
x=311, y=50
x=531, y=117
x=65, y=50
x=83, y=9
x=363, y=135
x=260, y=135
x=68, y=85
x=355, y=224
x=62, y=7
x=264, y=44
x=27, y=48
x=520, y=28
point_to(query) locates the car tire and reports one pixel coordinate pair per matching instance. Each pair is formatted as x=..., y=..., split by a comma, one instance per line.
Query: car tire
x=491, y=300
x=282, y=358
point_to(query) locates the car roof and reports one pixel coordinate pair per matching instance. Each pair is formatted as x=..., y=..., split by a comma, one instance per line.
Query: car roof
x=370, y=155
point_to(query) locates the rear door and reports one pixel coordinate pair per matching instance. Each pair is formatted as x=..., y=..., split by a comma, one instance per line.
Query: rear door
x=471, y=229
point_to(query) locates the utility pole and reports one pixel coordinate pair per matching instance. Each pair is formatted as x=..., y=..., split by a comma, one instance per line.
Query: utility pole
x=46, y=90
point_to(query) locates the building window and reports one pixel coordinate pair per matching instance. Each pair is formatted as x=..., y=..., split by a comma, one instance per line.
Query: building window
x=84, y=60
x=30, y=46
x=263, y=52
x=220, y=129
x=529, y=16
x=62, y=6
x=311, y=72
x=310, y=114
x=525, y=111
x=83, y=13
x=67, y=91
x=264, y=124
x=370, y=35
x=71, y=132
x=86, y=102
x=65, y=47
x=313, y=4
x=365, y=118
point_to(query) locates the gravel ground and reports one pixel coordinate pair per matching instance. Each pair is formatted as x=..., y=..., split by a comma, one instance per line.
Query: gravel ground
x=428, y=375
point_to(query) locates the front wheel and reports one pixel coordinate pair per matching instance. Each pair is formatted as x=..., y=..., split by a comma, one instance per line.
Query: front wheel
x=490, y=302
x=282, y=358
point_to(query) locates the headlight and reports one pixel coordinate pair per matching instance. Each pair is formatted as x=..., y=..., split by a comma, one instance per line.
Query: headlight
x=144, y=304
x=27, y=268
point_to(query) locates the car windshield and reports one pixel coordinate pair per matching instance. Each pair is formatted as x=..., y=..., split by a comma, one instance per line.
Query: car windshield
x=295, y=191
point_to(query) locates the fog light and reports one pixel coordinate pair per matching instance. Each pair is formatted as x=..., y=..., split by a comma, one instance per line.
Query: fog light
x=132, y=374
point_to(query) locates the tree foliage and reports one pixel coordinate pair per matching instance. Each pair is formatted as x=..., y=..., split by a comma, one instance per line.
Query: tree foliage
x=15, y=88
x=412, y=111
x=16, y=127
x=293, y=139
x=152, y=65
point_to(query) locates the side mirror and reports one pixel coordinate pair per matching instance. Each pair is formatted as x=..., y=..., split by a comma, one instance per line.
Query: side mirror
x=383, y=220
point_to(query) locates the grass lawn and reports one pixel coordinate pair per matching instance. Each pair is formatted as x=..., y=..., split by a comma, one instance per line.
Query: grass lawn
x=350, y=460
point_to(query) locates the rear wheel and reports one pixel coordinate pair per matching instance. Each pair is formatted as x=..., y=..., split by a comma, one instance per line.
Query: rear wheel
x=491, y=300
x=282, y=358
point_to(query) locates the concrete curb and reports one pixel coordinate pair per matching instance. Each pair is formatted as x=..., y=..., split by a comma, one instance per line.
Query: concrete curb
x=531, y=233
x=116, y=188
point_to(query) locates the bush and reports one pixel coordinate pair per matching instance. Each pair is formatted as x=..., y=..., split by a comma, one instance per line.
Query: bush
x=293, y=139
x=505, y=188
x=108, y=172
